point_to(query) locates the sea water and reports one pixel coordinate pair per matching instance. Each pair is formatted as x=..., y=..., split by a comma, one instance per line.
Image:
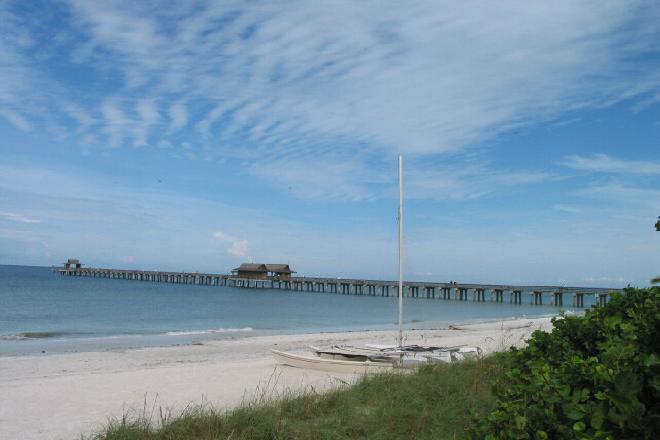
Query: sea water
x=43, y=312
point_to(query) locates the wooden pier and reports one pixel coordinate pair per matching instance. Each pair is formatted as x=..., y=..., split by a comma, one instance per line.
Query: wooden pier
x=557, y=296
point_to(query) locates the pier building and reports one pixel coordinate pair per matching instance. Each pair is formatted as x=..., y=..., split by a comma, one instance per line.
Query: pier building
x=263, y=271
x=73, y=263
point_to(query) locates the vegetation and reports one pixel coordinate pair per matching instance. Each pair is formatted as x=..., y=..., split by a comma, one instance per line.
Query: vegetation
x=594, y=377
x=437, y=402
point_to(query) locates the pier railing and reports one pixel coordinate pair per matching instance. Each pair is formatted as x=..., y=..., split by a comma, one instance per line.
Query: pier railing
x=557, y=296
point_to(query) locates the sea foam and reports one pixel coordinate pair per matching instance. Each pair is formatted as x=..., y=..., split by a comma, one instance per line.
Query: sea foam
x=205, y=332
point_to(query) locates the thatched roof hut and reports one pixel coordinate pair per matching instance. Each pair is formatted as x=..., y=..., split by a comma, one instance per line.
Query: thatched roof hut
x=263, y=271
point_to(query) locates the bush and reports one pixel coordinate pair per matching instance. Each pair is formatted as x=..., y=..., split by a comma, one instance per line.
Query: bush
x=592, y=377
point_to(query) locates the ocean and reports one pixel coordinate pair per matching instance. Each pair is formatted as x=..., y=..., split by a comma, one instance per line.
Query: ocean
x=43, y=313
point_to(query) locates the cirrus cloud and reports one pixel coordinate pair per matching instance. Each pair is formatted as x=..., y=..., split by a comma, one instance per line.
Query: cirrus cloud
x=602, y=163
x=18, y=217
x=319, y=82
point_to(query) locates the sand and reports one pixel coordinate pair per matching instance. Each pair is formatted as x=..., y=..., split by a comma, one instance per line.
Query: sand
x=62, y=396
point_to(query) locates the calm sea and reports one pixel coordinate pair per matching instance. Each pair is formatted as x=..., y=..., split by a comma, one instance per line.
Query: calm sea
x=42, y=312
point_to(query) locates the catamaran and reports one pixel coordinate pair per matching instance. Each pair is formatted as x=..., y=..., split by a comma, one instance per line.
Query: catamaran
x=372, y=358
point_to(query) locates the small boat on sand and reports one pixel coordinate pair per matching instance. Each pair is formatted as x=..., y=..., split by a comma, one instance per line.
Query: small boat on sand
x=410, y=354
x=364, y=360
x=362, y=366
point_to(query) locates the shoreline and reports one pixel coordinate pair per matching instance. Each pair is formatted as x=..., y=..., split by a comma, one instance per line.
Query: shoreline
x=62, y=395
x=20, y=345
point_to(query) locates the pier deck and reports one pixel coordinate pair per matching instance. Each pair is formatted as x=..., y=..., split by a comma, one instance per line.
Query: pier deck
x=519, y=294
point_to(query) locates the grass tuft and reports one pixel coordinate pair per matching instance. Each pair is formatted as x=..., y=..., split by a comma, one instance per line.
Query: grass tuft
x=436, y=402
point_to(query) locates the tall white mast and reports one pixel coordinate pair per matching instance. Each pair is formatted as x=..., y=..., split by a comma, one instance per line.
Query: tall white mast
x=400, y=250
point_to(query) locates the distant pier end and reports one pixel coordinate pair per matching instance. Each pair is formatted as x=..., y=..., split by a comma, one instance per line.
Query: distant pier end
x=72, y=263
x=280, y=276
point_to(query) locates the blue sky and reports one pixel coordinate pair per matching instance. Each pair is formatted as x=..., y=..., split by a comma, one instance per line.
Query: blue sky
x=197, y=135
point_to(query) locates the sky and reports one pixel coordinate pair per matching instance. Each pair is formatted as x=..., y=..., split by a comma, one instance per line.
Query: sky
x=199, y=135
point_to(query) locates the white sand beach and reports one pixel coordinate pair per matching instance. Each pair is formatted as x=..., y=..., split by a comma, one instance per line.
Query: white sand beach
x=60, y=396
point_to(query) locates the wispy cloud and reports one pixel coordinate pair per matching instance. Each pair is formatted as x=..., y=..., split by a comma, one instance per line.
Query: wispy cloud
x=567, y=208
x=16, y=78
x=149, y=117
x=471, y=180
x=16, y=119
x=82, y=117
x=178, y=116
x=326, y=177
x=602, y=163
x=268, y=81
x=624, y=195
x=18, y=217
x=115, y=122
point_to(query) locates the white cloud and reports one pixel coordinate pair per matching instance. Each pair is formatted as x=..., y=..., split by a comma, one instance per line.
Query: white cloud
x=321, y=177
x=18, y=217
x=148, y=111
x=178, y=116
x=567, y=208
x=116, y=123
x=602, y=163
x=624, y=195
x=134, y=33
x=237, y=248
x=149, y=117
x=303, y=80
x=29, y=97
x=79, y=114
x=125, y=122
x=470, y=180
x=16, y=78
x=16, y=119
x=424, y=78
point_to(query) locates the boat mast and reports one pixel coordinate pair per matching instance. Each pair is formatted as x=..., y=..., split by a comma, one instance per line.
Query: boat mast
x=400, y=218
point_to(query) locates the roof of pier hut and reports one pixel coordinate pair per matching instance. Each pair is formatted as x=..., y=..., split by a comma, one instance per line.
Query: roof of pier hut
x=251, y=267
x=73, y=261
x=279, y=268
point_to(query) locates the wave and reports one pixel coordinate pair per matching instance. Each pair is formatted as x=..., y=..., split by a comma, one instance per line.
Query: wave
x=211, y=331
x=32, y=335
x=28, y=336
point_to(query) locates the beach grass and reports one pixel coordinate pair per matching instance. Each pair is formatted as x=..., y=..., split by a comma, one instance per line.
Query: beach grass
x=435, y=402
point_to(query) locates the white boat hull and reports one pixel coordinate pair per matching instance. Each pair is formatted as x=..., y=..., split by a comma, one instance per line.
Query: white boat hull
x=405, y=357
x=331, y=365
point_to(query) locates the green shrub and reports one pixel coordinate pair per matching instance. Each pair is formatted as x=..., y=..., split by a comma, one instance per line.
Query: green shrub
x=592, y=377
